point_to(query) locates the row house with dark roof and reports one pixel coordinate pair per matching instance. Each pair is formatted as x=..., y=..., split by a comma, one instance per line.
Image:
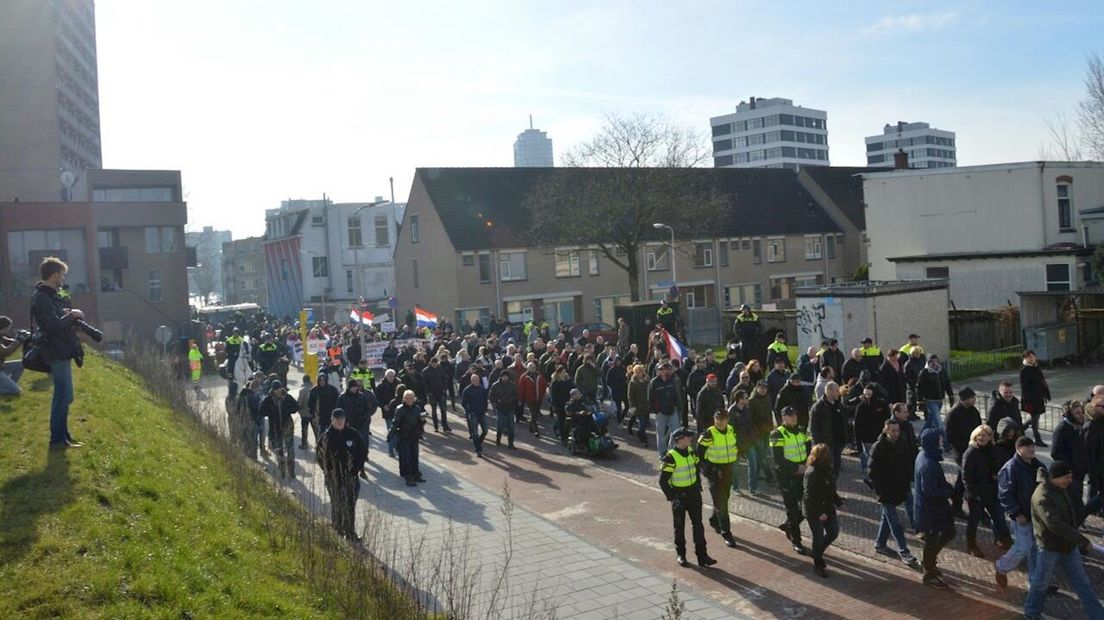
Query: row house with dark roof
x=462, y=252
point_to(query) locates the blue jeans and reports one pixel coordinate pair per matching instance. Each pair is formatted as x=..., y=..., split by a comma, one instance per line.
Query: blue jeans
x=751, y=453
x=1023, y=546
x=506, y=424
x=476, y=422
x=62, y=373
x=932, y=419
x=891, y=524
x=824, y=534
x=864, y=456
x=9, y=378
x=1045, y=562
x=665, y=425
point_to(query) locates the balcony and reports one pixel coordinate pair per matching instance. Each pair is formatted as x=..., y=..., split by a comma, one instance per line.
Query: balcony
x=113, y=258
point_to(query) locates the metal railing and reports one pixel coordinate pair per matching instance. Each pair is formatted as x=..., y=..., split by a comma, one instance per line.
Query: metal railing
x=1047, y=422
x=977, y=363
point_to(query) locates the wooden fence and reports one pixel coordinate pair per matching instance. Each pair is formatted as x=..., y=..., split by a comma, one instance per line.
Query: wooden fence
x=983, y=330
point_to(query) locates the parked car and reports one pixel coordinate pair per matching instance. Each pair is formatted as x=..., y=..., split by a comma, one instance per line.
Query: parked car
x=605, y=330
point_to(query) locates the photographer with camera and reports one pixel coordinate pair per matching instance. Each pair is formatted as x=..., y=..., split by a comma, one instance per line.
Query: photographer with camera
x=10, y=371
x=58, y=343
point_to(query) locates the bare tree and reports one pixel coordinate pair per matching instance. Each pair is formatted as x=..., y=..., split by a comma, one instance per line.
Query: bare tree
x=1065, y=143
x=205, y=278
x=1091, y=109
x=632, y=174
x=640, y=141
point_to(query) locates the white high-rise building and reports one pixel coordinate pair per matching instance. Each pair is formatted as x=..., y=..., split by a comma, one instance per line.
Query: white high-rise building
x=770, y=133
x=925, y=146
x=533, y=149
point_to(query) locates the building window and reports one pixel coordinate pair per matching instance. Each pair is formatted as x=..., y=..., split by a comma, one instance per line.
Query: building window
x=484, y=267
x=813, y=248
x=1065, y=207
x=937, y=273
x=107, y=238
x=740, y=294
x=703, y=255
x=415, y=234
x=153, y=240
x=567, y=263
x=349, y=280
x=831, y=246
x=468, y=260
x=355, y=238
x=756, y=252
x=511, y=266
x=656, y=259
x=776, y=250
x=383, y=231
x=417, y=283
x=155, y=285
x=321, y=266
x=593, y=267
x=1058, y=277
x=318, y=220
x=722, y=253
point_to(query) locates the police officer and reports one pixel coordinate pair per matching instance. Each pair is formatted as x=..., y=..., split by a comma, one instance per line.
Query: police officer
x=266, y=353
x=681, y=485
x=872, y=358
x=778, y=350
x=341, y=454
x=747, y=328
x=665, y=316
x=717, y=447
x=790, y=446
x=363, y=374
x=233, y=349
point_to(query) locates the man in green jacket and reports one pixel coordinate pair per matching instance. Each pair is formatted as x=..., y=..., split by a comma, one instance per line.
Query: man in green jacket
x=1059, y=543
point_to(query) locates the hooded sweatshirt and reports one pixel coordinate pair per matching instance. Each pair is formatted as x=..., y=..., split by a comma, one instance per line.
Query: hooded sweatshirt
x=932, y=508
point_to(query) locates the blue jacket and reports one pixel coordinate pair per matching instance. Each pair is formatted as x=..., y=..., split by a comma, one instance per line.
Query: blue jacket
x=474, y=400
x=1015, y=484
x=932, y=491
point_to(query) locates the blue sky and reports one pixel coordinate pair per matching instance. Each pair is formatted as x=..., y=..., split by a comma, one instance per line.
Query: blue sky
x=256, y=101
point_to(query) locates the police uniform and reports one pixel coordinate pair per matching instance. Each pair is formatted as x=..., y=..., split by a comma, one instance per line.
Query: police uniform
x=746, y=327
x=365, y=376
x=266, y=356
x=233, y=350
x=718, y=450
x=665, y=316
x=778, y=350
x=681, y=485
x=872, y=358
x=791, y=446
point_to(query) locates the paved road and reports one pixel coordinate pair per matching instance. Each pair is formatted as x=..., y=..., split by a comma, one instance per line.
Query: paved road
x=615, y=508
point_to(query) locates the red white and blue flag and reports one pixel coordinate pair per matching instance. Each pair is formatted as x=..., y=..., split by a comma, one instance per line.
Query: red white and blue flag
x=364, y=318
x=425, y=318
x=675, y=348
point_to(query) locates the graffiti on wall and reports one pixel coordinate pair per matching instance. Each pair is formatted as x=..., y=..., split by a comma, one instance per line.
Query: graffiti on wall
x=818, y=320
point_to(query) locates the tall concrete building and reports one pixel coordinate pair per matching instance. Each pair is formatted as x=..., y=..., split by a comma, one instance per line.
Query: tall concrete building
x=533, y=149
x=49, y=98
x=926, y=146
x=770, y=133
x=243, y=272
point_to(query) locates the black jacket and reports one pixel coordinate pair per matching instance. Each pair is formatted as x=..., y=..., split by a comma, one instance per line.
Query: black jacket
x=358, y=407
x=436, y=380
x=793, y=396
x=385, y=393
x=933, y=385
x=891, y=470
x=1033, y=389
x=278, y=412
x=870, y=419
x=341, y=454
x=1000, y=409
x=819, y=497
x=827, y=424
x=979, y=473
x=893, y=381
x=47, y=308
x=1094, y=443
x=322, y=400
x=828, y=357
x=961, y=421
x=1068, y=444
x=851, y=368
x=408, y=422
x=1015, y=484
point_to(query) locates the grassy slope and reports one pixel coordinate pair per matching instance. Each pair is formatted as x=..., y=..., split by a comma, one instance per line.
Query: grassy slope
x=140, y=522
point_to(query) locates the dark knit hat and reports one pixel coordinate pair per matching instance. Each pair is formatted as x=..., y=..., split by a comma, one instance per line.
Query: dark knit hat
x=966, y=392
x=1059, y=469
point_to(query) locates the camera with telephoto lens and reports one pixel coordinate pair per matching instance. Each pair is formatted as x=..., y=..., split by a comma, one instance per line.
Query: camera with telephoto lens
x=88, y=330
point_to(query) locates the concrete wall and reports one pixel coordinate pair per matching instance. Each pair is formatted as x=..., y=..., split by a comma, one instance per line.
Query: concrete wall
x=973, y=209
x=992, y=282
x=888, y=319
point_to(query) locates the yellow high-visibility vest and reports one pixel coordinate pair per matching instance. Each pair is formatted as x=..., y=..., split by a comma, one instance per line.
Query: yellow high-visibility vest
x=793, y=444
x=684, y=471
x=720, y=447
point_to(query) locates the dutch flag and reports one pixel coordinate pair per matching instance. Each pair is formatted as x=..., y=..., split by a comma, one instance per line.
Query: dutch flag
x=675, y=349
x=364, y=318
x=425, y=318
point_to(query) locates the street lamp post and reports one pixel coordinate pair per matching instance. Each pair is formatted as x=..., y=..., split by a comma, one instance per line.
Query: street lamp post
x=674, y=272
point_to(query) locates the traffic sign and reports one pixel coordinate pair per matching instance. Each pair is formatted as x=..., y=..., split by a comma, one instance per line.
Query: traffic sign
x=163, y=334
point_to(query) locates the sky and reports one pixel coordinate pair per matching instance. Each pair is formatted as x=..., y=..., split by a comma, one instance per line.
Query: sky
x=258, y=101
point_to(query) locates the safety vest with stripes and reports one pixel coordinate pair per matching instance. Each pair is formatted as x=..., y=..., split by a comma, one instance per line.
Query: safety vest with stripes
x=793, y=444
x=684, y=471
x=720, y=446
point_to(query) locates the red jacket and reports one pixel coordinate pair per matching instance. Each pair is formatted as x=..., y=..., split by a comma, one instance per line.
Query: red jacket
x=531, y=388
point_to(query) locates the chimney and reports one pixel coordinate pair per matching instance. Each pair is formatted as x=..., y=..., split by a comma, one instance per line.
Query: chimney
x=900, y=160
x=751, y=102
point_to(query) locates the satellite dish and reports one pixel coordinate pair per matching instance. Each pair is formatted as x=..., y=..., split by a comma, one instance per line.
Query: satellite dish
x=68, y=178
